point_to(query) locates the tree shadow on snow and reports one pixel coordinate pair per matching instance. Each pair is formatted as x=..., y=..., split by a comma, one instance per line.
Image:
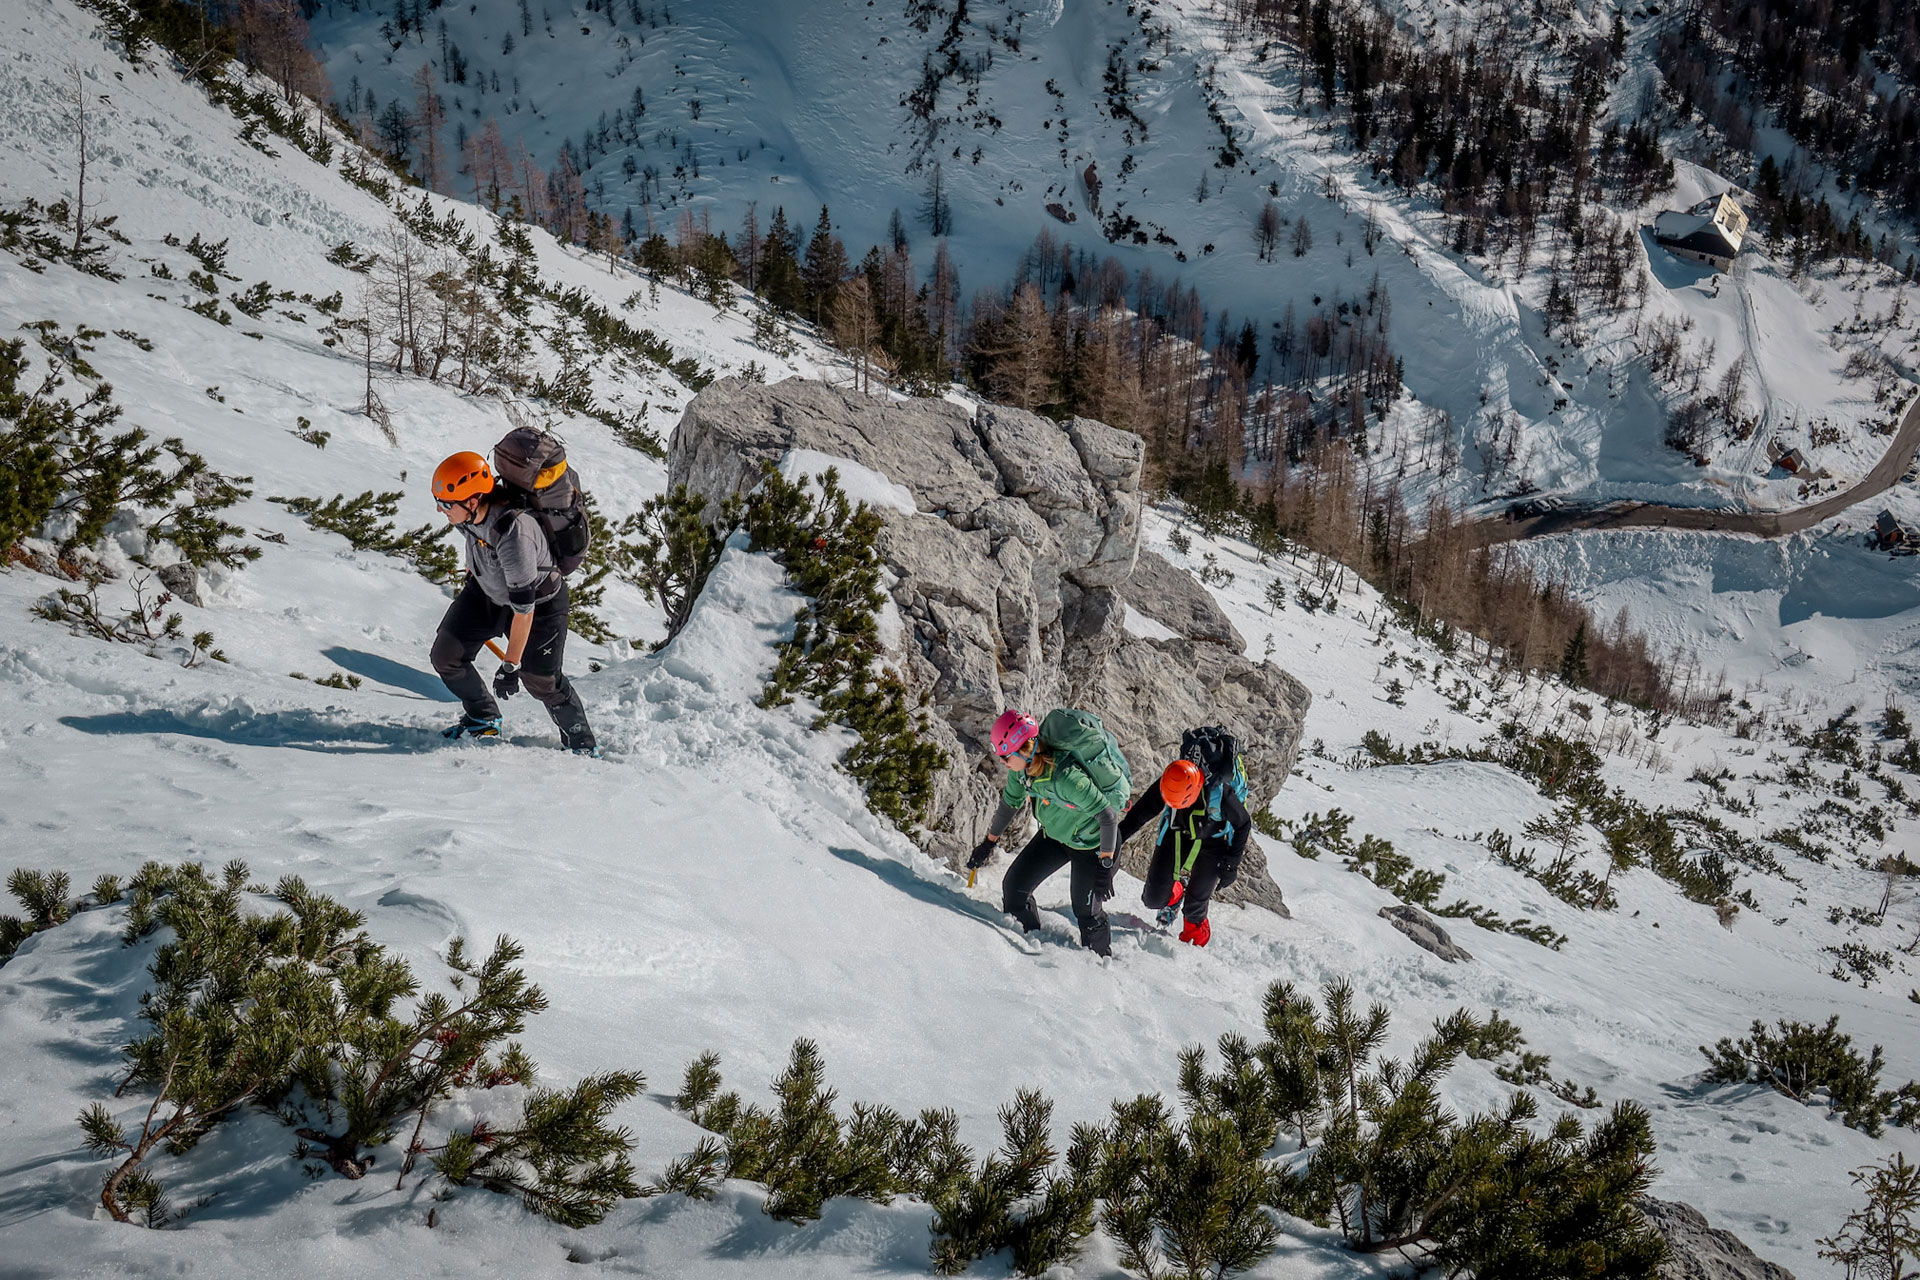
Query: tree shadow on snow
x=303, y=730
x=903, y=878
x=395, y=675
x=888, y=1240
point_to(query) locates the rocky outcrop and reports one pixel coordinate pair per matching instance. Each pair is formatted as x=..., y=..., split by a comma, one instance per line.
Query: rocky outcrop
x=1700, y=1252
x=1012, y=577
x=1425, y=932
x=1173, y=599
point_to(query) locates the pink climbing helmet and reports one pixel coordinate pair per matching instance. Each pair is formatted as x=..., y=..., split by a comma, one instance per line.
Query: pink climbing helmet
x=1012, y=731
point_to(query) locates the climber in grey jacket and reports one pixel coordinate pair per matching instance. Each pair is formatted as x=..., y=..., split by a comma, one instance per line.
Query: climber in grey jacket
x=513, y=589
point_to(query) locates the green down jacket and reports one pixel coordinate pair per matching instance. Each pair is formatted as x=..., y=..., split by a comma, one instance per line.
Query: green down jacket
x=1065, y=800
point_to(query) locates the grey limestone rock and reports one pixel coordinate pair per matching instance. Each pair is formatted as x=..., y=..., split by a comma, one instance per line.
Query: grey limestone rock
x=1173, y=599
x=1701, y=1252
x=1425, y=931
x=1012, y=578
x=183, y=580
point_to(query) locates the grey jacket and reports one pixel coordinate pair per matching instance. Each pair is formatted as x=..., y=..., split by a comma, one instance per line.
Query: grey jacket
x=508, y=555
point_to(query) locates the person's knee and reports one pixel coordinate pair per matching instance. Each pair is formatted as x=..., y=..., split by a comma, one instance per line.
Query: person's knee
x=448, y=654
x=549, y=687
x=1156, y=895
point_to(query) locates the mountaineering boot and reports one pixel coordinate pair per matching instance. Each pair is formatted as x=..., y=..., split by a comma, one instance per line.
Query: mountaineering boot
x=570, y=717
x=1196, y=933
x=474, y=727
x=1166, y=914
x=1097, y=937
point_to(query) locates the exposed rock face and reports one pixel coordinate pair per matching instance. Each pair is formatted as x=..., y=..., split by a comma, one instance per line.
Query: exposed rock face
x=1012, y=578
x=1173, y=599
x=1701, y=1252
x=1425, y=932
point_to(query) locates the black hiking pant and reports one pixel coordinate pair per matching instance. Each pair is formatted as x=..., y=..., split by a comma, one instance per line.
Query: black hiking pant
x=472, y=620
x=1041, y=858
x=1202, y=879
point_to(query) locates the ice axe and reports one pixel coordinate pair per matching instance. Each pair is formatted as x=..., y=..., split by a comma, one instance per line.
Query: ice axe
x=498, y=652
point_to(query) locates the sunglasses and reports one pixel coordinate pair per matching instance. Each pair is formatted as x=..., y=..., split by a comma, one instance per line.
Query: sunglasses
x=448, y=504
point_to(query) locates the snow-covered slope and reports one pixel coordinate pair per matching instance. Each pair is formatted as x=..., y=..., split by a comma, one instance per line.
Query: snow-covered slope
x=849, y=104
x=714, y=883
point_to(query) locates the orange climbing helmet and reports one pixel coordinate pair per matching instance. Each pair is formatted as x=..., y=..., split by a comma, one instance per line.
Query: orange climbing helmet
x=464, y=475
x=1180, y=784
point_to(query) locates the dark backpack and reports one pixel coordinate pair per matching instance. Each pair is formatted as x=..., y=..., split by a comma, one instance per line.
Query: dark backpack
x=533, y=472
x=1218, y=755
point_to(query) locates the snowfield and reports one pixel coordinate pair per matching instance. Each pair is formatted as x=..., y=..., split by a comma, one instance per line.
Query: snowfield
x=746, y=102
x=715, y=883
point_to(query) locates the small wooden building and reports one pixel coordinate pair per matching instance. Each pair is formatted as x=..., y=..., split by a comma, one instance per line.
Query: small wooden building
x=1793, y=462
x=1710, y=232
x=1887, y=531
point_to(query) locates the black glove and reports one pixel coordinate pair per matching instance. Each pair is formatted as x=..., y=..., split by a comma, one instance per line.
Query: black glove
x=1229, y=872
x=1103, y=884
x=982, y=854
x=506, y=681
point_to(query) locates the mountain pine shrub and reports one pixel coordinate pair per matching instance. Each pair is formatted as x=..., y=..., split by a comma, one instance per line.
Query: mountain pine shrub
x=232, y=1009
x=366, y=522
x=66, y=461
x=1191, y=1199
x=667, y=548
x=379, y=1070
x=803, y=1151
x=24, y=234
x=43, y=896
x=1380, y=862
x=563, y=1160
x=298, y=1011
x=826, y=544
x=1398, y=1170
x=979, y=1213
x=1801, y=1061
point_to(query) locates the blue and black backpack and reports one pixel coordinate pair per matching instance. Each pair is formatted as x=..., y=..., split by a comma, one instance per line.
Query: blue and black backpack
x=1218, y=755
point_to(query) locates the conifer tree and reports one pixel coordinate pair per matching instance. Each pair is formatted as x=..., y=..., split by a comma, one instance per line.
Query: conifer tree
x=234, y=1008
x=936, y=210
x=668, y=547
x=976, y=1217
x=803, y=1152
x=826, y=266
x=563, y=1160
x=43, y=896
x=1881, y=1239
x=377, y=1070
x=780, y=279
x=64, y=458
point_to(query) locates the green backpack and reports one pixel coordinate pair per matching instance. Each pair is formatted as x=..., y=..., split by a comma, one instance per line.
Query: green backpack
x=1081, y=737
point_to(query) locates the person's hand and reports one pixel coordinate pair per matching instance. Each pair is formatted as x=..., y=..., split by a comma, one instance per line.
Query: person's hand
x=1103, y=884
x=506, y=681
x=982, y=853
x=1229, y=872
